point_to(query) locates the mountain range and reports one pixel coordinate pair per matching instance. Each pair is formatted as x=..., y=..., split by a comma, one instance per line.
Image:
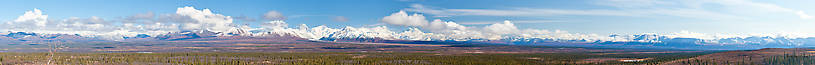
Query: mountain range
x=416, y=36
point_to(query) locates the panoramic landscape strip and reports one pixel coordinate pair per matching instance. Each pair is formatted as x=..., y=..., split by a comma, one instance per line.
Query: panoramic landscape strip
x=406, y=32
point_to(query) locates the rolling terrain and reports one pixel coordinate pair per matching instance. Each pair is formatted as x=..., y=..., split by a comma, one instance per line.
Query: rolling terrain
x=320, y=53
x=211, y=48
x=767, y=56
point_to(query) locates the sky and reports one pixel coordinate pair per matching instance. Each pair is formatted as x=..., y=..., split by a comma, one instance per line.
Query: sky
x=580, y=16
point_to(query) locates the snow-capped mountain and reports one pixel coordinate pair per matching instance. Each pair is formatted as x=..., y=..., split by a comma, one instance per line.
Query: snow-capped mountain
x=278, y=30
x=383, y=34
x=189, y=23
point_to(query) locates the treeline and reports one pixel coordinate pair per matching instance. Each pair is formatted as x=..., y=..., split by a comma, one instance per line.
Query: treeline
x=764, y=57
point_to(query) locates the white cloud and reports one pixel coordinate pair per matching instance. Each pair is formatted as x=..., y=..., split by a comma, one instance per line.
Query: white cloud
x=537, y=12
x=205, y=20
x=418, y=20
x=440, y=26
x=402, y=18
x=701, y=9
x=506, y=27
x=274, y=15
x=453, y=31
x=36, y=21
x=275, y=25
x=803, y=15
x=442, y=12
x=34, y=17
x=185, y=19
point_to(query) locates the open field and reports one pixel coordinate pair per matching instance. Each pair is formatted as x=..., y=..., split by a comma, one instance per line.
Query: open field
x=319, y=53
x=767, y=56
x=265, y=46
x=321, y=58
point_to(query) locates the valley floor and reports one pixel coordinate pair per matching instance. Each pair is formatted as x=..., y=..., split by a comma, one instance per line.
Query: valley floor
x=335, y=58
x=323, y=53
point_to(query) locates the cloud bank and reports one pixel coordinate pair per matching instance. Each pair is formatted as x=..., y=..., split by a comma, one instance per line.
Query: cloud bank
x=402, y=18
x=726, y=10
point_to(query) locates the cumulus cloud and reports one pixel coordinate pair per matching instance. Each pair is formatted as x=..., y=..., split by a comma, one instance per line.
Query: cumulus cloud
x=205, y=20
x=403, y=19
x=274, y=15
x=437, y=25
x=34, y=17
x=501, y=28
x=453, y=31
x=185, y=19
x=440, y=26
x=417, y=20
x=36, y=21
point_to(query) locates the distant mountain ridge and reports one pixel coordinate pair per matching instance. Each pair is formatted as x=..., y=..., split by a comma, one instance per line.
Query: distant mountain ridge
x=383, y=35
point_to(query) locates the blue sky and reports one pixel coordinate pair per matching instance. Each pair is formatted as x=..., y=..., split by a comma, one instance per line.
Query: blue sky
x=586, y=16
